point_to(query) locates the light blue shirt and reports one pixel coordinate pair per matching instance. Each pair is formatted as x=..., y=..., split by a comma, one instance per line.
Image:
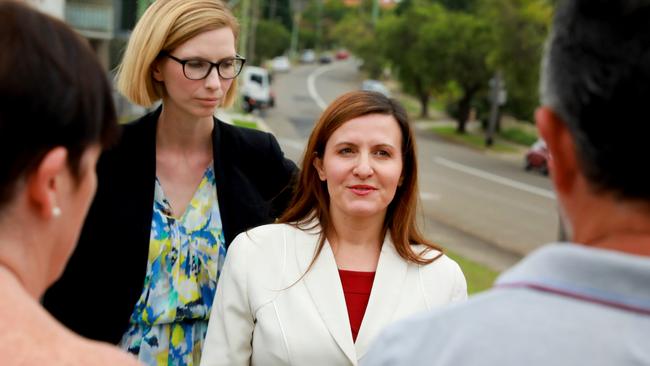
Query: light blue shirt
x=564, y=304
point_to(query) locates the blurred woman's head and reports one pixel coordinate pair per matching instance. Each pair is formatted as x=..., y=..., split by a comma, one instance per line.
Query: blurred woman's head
x=56, y=112
x=387, y=117
x=177, y=28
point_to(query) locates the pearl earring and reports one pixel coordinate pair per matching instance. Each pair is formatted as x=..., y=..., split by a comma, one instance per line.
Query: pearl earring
x=56, y=212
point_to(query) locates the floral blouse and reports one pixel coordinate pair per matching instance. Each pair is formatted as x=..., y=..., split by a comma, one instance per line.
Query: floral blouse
x=170, y=319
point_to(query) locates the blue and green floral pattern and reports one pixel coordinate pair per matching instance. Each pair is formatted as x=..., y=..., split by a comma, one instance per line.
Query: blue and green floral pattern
x=170, y=319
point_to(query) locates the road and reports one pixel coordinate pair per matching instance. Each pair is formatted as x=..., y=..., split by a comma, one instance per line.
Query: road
x=483, y=206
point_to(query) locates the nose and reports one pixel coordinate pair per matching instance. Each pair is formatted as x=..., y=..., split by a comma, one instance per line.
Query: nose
x=363, y=169
x=213, y=81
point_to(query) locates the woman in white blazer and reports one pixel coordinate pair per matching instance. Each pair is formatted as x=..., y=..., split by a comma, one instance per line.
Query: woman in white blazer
x=346, y=258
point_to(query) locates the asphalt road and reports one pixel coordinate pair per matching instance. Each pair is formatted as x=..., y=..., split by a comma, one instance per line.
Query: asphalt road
x=483, y=206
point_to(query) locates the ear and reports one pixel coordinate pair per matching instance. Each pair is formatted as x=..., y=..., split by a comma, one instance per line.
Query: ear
x=563, y=162
x=44, y=184
x=156, y=71
x=318, y=164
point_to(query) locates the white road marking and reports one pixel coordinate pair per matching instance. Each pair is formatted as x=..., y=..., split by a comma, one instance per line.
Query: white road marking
x=495, y=178
x=311, y=85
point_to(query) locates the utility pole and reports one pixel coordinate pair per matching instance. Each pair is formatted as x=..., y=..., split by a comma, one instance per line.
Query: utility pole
x=375, y=12
x=497, y=98
x=296, y=8
x=252, y=39
x=244, y=25
x=319, y=25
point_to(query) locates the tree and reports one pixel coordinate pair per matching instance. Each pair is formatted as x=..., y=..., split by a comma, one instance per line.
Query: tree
x=519, y=28
x=272, y=39
x=355, y=33
x=403, y=44
x=459, y=43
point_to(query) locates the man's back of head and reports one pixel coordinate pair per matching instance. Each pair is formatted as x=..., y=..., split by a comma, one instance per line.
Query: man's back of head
x=596, y=77
x=586, y=302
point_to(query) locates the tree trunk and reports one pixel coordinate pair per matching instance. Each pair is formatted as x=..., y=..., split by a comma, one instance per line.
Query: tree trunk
x=423, y=95
x=464, y=107
x=424, y=105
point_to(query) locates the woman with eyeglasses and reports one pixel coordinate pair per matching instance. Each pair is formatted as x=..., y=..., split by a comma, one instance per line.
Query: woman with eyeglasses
x=174, y=193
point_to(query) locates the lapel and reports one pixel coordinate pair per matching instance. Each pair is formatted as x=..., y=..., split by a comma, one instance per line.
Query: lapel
x=220, y=163
x=324, y=286
x=384, y=297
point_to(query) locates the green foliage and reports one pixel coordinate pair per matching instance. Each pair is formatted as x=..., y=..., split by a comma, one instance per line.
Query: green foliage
x=462, y=5
x=277, y=10
x=459, y=43
x=273, y=39
x=519, y=28
x=518, y=135
x=356, y=34
x=446, y=54
x=406, y=48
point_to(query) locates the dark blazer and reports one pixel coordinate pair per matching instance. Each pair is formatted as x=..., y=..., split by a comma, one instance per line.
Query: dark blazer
x=105, y=276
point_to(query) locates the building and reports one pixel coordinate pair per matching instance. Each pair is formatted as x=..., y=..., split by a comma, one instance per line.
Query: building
x=105, y=23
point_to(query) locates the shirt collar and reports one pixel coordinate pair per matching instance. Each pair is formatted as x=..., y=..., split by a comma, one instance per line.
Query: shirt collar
x=606, y=277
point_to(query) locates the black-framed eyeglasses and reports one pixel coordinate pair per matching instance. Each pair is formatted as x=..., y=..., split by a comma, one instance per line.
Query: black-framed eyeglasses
x=196, y=69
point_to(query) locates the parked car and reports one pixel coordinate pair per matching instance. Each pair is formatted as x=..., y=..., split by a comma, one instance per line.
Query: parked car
x=256, y=89
x=376, y=86
x=280, y=64
x=537, y=157
x=325, y=58
x=342, y=55
x=308, y=57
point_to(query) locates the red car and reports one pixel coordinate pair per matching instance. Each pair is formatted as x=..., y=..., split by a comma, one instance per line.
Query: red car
x=537, y=157
x=342, y=55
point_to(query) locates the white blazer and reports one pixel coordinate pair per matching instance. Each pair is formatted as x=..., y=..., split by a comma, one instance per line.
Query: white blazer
x=264, y=313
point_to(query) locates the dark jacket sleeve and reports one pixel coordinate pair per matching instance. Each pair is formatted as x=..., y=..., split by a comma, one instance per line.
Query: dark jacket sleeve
x=256, y=179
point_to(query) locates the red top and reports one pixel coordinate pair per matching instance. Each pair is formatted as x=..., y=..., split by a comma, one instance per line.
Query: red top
x=356, y=288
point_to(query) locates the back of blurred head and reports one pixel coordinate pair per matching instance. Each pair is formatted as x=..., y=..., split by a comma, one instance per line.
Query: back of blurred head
x=596, y=78
x=53, y=95
x=596, y=82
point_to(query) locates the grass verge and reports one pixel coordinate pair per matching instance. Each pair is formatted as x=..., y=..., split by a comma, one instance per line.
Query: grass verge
x=479, y=277
x=245, y=123
x=473, y=140
x=518, y=136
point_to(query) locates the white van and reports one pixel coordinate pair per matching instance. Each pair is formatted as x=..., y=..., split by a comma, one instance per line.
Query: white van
x=255, y=89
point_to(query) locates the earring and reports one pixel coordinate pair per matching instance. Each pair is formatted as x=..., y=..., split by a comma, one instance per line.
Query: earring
x=56, y=212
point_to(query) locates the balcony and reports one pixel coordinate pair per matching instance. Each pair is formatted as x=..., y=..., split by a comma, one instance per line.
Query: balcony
x=92, y=20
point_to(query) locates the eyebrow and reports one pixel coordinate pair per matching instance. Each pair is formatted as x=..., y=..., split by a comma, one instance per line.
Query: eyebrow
x=374, y=146
x=199, y=58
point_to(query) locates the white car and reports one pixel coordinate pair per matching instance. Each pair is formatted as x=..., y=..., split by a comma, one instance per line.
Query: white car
x=280, y=64
x=376, y=86
x=308, y=57
x=256, y=89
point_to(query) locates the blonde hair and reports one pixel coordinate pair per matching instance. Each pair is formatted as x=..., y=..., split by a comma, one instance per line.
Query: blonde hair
x=165, y=25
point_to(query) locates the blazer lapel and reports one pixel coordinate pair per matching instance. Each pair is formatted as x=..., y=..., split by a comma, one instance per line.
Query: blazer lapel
x=384, y=297
x=324, y=286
